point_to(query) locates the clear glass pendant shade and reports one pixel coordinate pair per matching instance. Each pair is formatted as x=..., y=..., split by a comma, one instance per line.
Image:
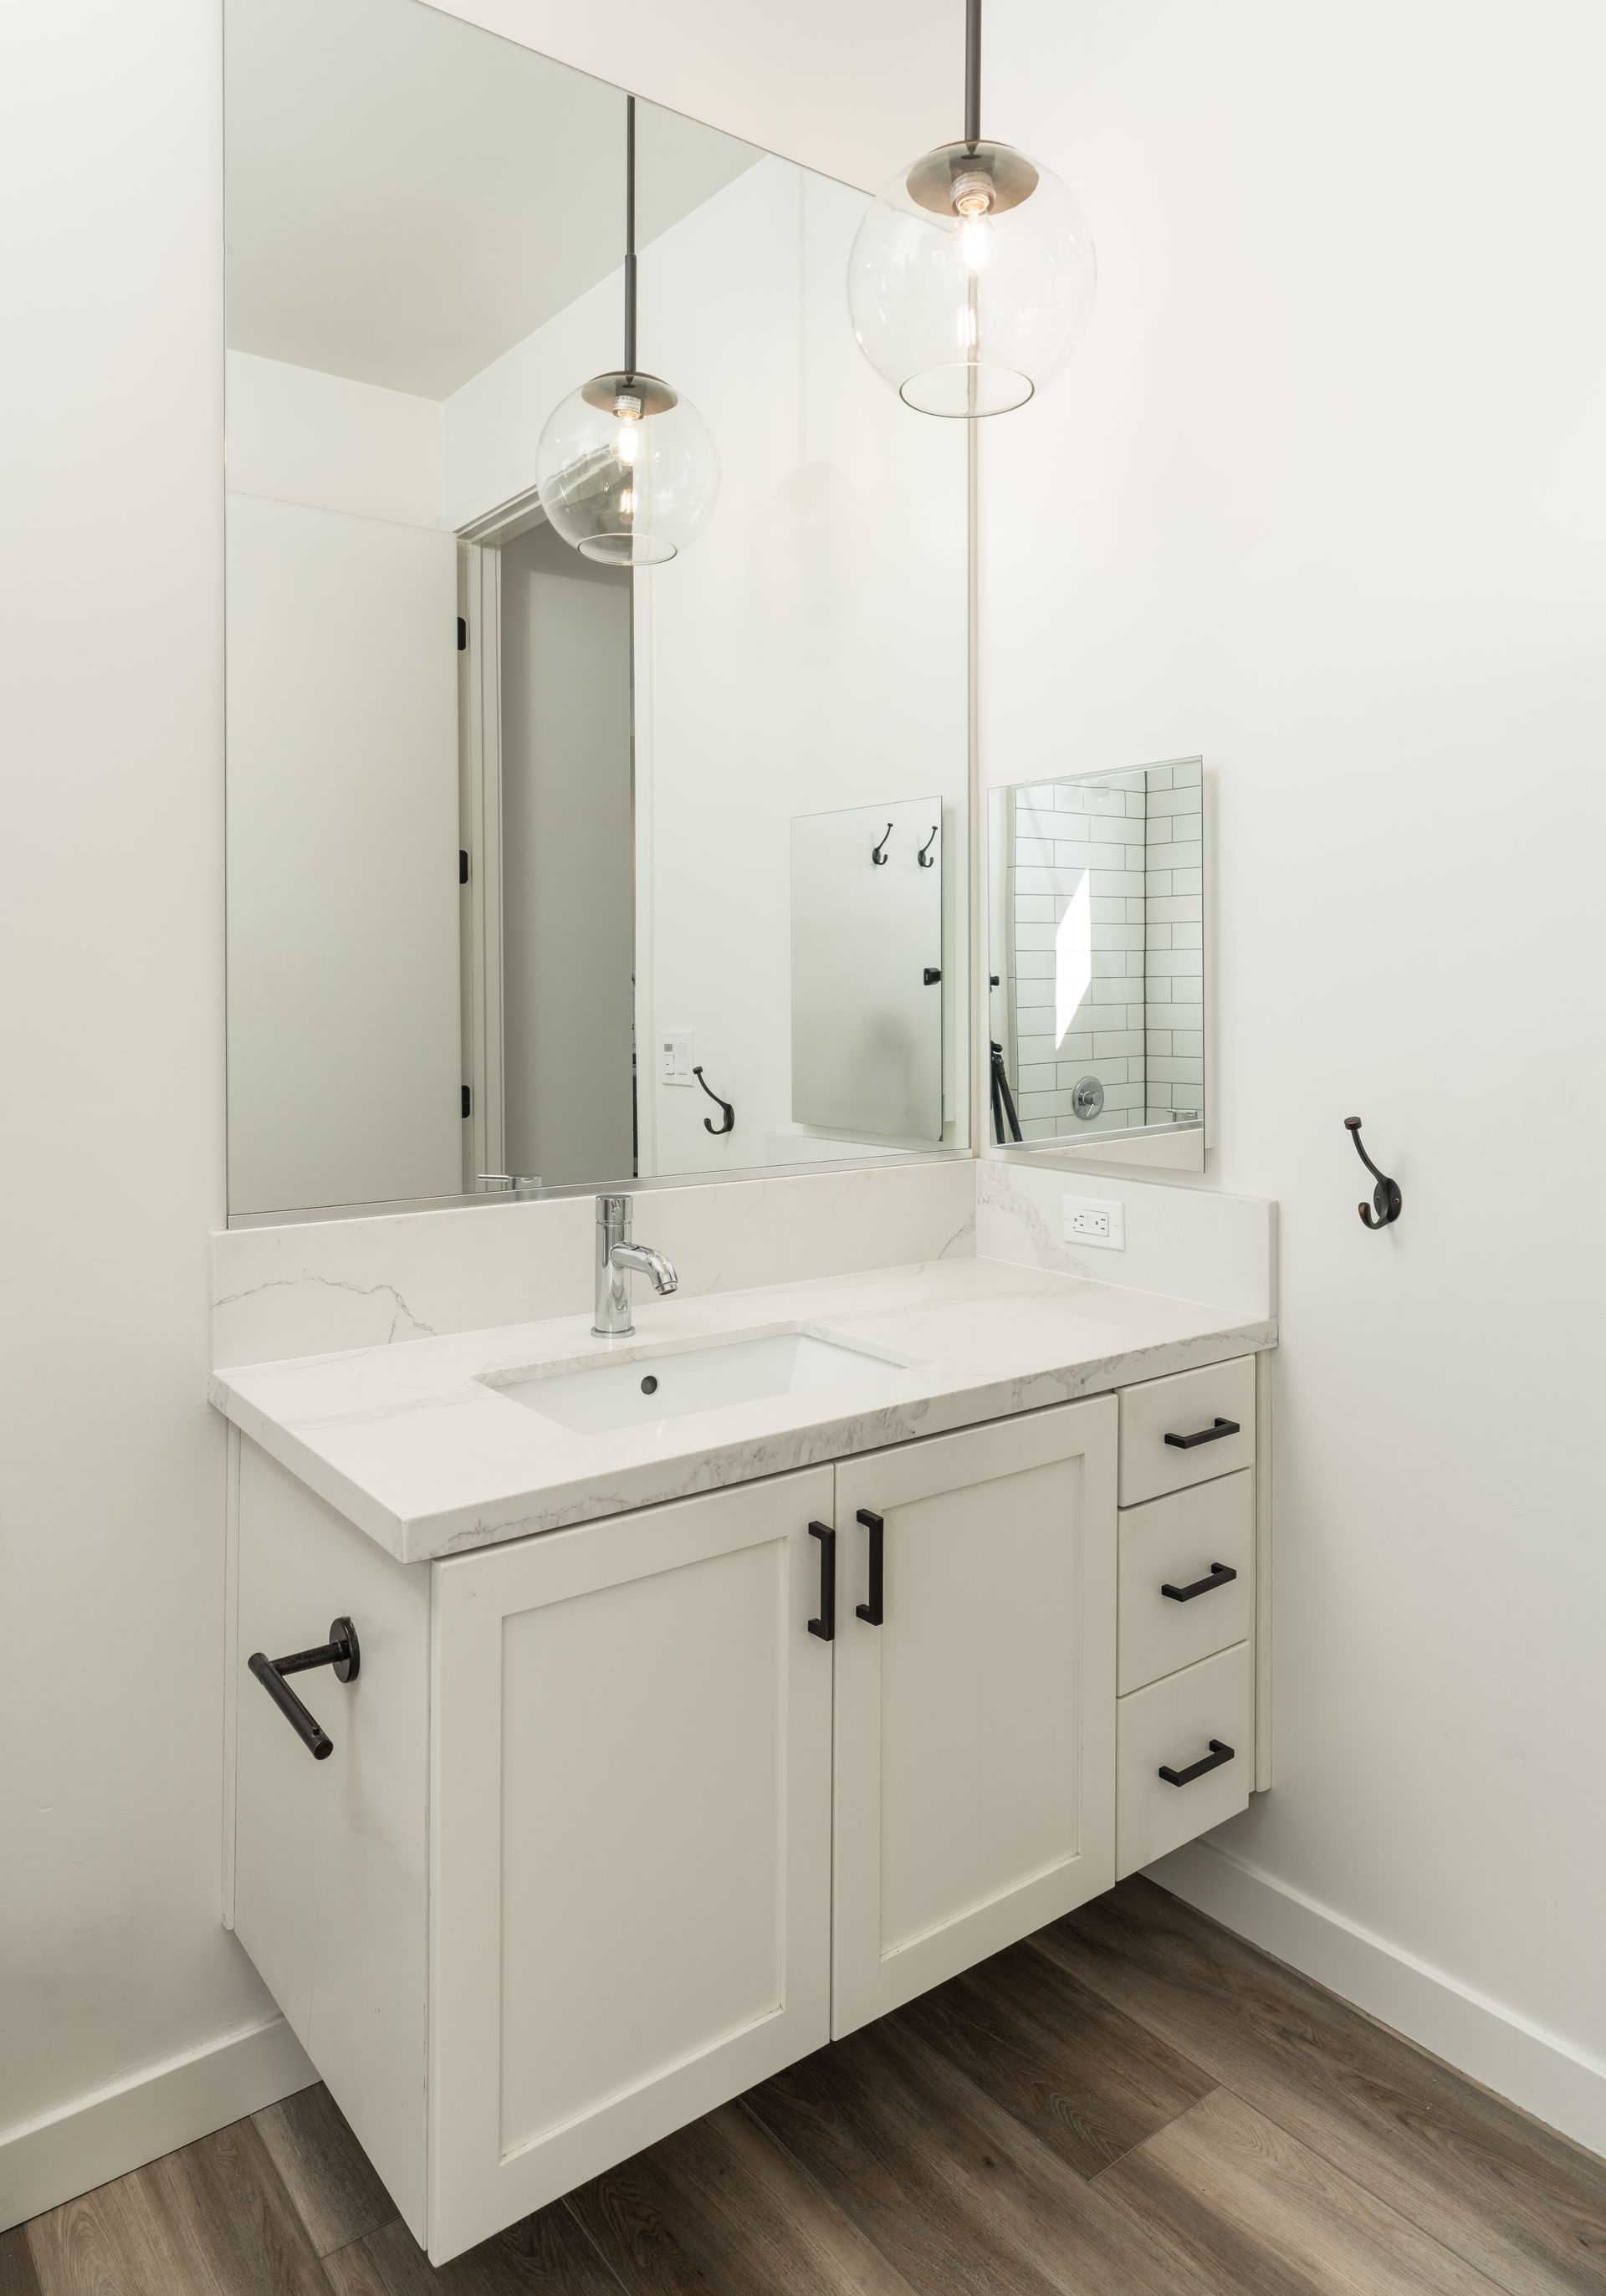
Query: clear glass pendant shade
x=971, y=280
x=627, y=470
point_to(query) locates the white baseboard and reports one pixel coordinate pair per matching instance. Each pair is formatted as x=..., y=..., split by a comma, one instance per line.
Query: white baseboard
x=87, y=2144
x=1546, y=2076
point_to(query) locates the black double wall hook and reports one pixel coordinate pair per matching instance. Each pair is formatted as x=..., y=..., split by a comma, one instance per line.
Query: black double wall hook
x=924, y=856
x=1385, y=1206
x=878, y=853
x=729, y=1113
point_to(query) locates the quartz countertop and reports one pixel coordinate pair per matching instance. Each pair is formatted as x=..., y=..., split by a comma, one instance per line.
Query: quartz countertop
x=415, y=1444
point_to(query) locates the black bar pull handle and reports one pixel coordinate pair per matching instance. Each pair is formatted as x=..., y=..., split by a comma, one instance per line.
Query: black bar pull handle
x=1212, y=1434
x=872, y=1612
x=340, y=1651
x=1220, y=1575
x=1213, y=1760
x=825, y=1624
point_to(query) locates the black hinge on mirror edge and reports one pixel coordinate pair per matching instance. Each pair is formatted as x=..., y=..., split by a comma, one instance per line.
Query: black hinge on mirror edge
x=468, y=1101
x=463, y=865
x=463, y=635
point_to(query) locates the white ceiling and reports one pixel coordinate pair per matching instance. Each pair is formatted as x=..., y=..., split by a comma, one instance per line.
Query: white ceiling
x=855, y=88
x=408, y=196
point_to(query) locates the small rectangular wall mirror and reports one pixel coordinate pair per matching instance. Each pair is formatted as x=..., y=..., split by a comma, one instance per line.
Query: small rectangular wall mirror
x=1097, y=925
x=529, y=859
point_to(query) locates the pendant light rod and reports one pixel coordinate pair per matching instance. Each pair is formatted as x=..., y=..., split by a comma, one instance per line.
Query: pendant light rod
x=972, y=71
x=630, y=230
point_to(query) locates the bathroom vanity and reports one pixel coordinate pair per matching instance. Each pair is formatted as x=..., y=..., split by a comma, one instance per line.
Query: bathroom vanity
x=692, y=1729
x=614, y=1718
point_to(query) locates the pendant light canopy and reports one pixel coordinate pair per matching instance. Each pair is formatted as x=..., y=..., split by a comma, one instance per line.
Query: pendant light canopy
x=626, y=470
x=971, y=276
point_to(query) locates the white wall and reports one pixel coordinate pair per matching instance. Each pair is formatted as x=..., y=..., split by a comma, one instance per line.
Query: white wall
x=296, y=435
x=344, y=1054
x=1322, y=498
x=112, y=1962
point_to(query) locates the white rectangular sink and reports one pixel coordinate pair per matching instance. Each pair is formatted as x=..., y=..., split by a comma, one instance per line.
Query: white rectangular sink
x=679, y=1381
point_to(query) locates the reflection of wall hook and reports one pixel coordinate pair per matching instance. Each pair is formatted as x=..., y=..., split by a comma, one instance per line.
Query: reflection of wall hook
x=923, y=856
x=878, y=853
x=1386, y=1196
x=708, y=1125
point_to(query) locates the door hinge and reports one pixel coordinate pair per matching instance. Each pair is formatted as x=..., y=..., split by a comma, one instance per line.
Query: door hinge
x=468, y=1101
x=462, y=865
x=463, y=635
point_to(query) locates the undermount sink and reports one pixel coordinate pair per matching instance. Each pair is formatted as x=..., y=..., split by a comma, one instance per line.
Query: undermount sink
x=679, y=1381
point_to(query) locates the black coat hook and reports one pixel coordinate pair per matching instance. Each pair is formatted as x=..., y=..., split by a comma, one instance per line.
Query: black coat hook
x=708, y=1125
x=878, y=853
x=1385, y=1207
x=923, y=856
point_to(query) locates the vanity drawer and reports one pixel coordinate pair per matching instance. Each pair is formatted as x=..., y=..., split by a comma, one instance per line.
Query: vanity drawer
x=1184, y=1542
x=1172, y=1430
x=1171, y=1725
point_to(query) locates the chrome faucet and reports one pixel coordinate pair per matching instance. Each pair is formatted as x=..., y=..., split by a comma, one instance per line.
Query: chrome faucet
x=616, y=1258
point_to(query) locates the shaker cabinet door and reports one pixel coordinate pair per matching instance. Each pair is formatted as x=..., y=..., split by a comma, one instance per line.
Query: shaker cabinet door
x=630, y=1858
x=975, y=1722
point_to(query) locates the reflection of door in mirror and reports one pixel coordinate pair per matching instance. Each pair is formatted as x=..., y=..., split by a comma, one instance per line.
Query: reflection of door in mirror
x=568, y=927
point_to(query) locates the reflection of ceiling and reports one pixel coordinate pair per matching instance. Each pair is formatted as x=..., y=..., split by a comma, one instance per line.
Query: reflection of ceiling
x=407, y=196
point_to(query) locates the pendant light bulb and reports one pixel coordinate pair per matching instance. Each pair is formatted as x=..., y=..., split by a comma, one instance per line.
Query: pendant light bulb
x=974, y=239
x=972, y=275
x=626, y=470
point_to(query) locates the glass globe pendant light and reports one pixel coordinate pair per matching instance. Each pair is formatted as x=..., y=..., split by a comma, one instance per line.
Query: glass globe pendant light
x=626, y=468
x=972, y=275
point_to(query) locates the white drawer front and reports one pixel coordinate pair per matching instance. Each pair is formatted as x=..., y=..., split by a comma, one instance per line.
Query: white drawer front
x=1189, y=1407
x=1185, y=1543
x=1171, y=1725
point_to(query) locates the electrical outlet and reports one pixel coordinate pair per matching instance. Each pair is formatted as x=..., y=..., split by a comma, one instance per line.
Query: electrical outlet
x=675, y=1056
x=1100, y=1220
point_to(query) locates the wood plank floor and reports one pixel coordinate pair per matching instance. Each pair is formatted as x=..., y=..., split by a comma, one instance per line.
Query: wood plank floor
x=1132, y=2103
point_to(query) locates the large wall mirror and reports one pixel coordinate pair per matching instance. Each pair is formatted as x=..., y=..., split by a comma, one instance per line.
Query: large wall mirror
x=543, y=873
x=1098, y=921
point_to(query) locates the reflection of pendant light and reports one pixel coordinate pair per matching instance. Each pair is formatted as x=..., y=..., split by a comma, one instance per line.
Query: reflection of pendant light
x=626, y=470
x=971, y=276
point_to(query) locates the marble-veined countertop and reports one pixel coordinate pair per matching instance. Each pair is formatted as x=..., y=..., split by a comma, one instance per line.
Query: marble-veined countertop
x=415, y=1444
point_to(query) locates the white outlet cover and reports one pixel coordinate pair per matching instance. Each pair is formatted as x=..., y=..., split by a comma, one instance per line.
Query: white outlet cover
x=674, y=1055
x=1099, y=1221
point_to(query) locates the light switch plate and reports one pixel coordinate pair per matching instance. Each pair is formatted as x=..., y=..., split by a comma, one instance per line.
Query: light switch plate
x=1098, y=1220
x=674, y=1047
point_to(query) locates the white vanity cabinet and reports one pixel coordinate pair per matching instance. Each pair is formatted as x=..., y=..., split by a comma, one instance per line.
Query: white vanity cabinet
x=975, y=1747
x=1185, y=1719
x=630, y=1839
x=622, y=1819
